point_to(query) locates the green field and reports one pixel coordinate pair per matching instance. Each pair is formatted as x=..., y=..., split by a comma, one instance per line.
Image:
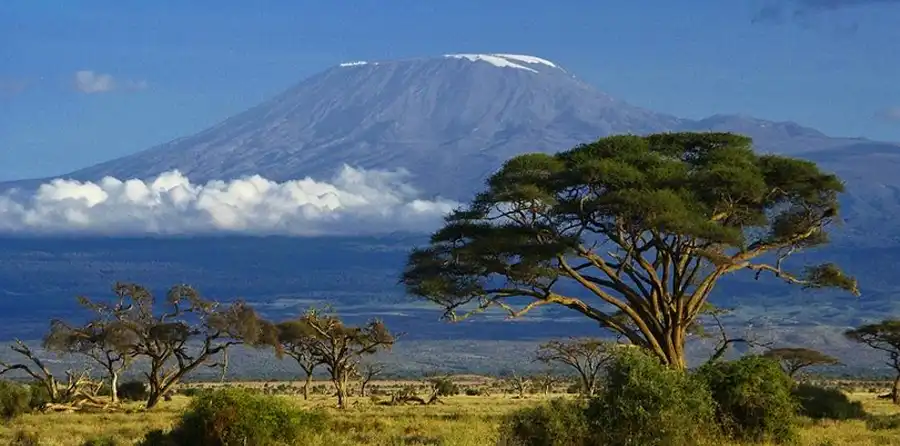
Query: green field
x=460, y=420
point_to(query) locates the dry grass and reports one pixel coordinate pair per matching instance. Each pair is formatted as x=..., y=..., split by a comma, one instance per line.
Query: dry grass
x=461, y=421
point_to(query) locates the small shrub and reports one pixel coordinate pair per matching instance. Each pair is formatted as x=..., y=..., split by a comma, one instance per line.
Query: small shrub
x=477, y=391
x=40, y=396
x=646, y=403
x=823, y=403
x=753, y=399
x=235, y=417
x=15, y=400
x=133, y=391
x=557, y=423
x=445, y=387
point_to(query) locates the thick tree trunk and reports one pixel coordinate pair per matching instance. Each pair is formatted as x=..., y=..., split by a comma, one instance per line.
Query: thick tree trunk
x=340, y=387
x=153, y=399
x=114, y=387
x=306, y=386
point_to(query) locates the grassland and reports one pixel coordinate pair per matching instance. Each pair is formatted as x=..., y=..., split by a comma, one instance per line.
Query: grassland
x=459, y=421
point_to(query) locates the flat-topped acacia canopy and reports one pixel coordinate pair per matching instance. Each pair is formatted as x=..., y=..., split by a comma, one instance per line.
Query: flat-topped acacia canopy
x=645, y=225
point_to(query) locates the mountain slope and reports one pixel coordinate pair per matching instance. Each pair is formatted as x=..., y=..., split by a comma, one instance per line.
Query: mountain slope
x=449, y=120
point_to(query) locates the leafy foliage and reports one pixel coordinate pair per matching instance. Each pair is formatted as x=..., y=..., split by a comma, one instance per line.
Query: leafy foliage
x=646, y=225
x=559, y=422
x=339, y=347
x=647, y=403
x=15, y=400
x=584, y=356
x=133, y=391
x=883, y=336
x=444, y=386
x=754, y=399
x=795, y=359
x=104, y=340
x=234, y=417
x=179, y=334
x=827, y=403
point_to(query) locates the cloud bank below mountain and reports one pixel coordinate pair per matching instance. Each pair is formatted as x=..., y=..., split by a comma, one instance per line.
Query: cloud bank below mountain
x=353, y=202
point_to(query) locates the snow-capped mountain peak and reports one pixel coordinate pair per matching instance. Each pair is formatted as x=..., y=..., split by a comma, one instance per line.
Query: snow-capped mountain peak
x=518, y=61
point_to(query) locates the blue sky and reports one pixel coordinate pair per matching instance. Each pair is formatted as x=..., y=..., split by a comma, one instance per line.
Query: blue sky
x=151, y=71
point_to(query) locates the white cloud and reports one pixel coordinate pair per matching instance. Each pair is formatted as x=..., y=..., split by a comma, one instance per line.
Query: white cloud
x=87, y=81
x=355, y=202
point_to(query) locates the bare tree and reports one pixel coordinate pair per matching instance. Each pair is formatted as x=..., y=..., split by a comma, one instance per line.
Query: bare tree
x=586, y=356
x=795, y=359
x=77, y=385
x=710, y=316
x=367, y=372
x=182, y=333
x=340, y=347
x=105, y=342
x=296, y=340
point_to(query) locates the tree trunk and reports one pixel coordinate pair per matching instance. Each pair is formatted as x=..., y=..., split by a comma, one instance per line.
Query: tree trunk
x=672, y=346
x=895, y=391
x=113, y=387
x=340, y=387
x=153, y=399
x=306, y=386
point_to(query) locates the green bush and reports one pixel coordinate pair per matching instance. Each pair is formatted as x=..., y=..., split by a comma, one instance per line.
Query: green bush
x=15, y=400
x=445, y=386
x=40, y=396
x=646, y=403
x=753, y=399
x=477, y=391
x=557, y=423
x=824, y=403
x=232, y=417
x=133, y=391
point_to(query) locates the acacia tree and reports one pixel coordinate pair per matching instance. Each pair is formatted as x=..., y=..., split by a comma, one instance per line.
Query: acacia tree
x=181, y=333
x=340, y=347
x=518, y=383
x=295, y=339
x=795, y=359
x=883, y=336
x=367, y=372
x=584, y=355
x=105, y=342
x=642, y=225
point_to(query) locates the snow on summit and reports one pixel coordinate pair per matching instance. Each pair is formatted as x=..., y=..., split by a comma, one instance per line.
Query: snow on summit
x=506, y=60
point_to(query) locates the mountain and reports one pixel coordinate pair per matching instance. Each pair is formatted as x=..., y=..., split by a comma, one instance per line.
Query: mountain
x=451, y=120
